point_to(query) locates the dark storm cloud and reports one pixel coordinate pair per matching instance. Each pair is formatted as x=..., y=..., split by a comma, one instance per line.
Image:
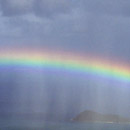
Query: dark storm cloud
x=97, y=27
x=16, y=7
x=38, y=7
x=53, y=7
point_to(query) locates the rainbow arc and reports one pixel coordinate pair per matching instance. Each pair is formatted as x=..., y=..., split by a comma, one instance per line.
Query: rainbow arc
x=66, y=62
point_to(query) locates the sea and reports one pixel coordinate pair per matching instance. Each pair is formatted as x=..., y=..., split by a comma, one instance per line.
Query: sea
x=40, y=125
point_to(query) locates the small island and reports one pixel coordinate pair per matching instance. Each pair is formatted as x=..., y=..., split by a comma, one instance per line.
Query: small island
x=94, y=117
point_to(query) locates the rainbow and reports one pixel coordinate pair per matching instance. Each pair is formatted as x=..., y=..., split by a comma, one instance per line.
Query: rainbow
x=65, y=61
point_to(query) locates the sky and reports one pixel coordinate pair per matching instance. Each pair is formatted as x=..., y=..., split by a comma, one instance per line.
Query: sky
x=89, y=27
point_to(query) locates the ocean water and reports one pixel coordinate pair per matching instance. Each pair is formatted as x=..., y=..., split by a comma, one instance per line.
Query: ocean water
x=40, y=125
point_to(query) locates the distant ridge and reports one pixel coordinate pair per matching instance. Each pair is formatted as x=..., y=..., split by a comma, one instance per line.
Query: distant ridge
x=90, y=116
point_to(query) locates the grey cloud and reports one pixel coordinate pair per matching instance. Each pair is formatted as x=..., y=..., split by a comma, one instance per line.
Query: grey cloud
x=47, y=8
x=16, y=7
x=112, y=7
x=78, y=30
x=38, y=7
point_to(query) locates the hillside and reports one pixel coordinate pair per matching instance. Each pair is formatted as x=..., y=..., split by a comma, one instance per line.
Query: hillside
x=90, y=116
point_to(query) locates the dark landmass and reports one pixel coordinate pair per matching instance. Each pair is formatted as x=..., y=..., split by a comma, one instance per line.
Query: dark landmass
x=90, y=116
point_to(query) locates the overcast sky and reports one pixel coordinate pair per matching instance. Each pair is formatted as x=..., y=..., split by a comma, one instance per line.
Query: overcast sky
x=94, y=27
